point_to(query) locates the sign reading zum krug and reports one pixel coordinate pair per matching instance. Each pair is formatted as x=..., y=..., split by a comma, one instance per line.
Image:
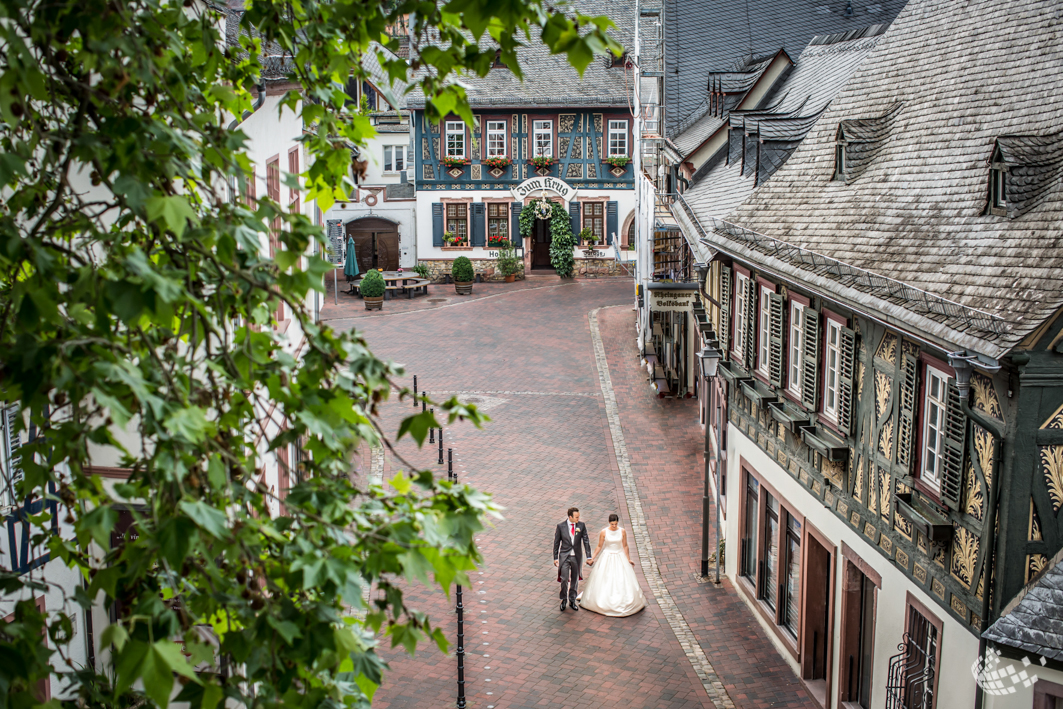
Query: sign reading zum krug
x=671, y=300
x=528, y=188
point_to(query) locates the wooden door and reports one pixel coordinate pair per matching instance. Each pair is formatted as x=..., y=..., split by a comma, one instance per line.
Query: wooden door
x=541, y=239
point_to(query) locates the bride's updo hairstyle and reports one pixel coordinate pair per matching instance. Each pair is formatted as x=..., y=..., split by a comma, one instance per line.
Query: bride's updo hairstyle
x=614, y=518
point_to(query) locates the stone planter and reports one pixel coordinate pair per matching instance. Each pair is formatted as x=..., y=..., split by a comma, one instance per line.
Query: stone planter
x=373, y=303
x=463, y=288
x=511, y=277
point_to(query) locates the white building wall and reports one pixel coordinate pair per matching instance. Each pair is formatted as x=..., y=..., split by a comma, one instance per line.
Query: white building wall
x=959, y=648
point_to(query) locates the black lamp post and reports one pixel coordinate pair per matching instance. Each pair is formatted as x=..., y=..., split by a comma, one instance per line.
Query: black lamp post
x=709, y=359
x=461, y=650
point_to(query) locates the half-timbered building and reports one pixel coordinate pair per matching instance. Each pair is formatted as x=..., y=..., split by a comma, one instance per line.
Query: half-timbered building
x=888, y=310
x=554, y=135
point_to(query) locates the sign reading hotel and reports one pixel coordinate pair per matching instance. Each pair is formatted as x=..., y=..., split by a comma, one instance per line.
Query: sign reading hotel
x=671, y=300
x=528, y=188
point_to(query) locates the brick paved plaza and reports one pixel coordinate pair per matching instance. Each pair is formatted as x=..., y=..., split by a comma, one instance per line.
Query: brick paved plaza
x=526, y=355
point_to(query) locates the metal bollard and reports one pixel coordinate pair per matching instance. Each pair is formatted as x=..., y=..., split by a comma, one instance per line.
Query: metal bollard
x=415, y=391
x=432, y=431
x=461, y=651
x=450, y=463
x=424, y=401
x=441, y=446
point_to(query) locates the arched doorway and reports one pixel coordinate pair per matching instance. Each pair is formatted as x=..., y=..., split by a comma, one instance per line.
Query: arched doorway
x=376, y=243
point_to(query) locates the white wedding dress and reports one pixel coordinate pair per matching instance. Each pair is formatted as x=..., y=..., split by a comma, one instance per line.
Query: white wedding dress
x=612, y=588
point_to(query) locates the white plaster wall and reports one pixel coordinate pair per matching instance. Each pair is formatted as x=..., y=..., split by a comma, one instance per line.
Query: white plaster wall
x=959, y=648
x=1023, y=696
x=625, y=200
x=403, y=213
x=374, y=154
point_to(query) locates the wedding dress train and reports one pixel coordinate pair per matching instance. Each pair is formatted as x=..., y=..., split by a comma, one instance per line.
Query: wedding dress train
x=612, y=588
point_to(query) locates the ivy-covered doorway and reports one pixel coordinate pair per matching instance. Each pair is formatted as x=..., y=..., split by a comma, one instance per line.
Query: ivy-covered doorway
x=541, y=239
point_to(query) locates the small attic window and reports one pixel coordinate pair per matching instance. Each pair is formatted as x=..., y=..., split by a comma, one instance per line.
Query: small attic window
x=998, y=202
x=839, y=161
x=498, y=59
x=618, y=61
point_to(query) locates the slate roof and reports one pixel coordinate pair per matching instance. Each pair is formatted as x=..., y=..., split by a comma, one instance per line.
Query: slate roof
x=966, y=72
x=550, y=81
x=1033, y=621
x=792, y=107
x=703, y=36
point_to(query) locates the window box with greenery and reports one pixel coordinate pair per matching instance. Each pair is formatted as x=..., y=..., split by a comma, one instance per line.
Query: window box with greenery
x=620, y=161
x=499, y=163
x=542, y=162
x=463, y=275
x=453, y=241
x=372, y=287
x=508, y=263
x=497, y=242
x=451, y=162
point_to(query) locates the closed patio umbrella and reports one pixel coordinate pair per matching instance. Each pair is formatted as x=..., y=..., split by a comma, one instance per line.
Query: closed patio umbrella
x=350, y=266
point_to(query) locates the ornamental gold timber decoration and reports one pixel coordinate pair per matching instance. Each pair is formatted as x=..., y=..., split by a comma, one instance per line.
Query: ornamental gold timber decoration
x=964, y=555
x=887, y=349
x=882, y=392
x=1052, y=466
x=1034, y=527
x=1055, y=420
x=985, y=396
x=1035, y=564
x=974, y=499
x=885, y=491
x=885, y=440
x=983, y=445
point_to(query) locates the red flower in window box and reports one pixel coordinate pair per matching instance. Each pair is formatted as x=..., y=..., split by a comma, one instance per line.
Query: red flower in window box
x=499, y=163
x=497, y=241
x=449, y=162
x=618, y=160
x=542, y=161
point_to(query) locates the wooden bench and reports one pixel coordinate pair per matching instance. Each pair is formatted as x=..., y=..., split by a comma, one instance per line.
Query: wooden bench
x=421, y=284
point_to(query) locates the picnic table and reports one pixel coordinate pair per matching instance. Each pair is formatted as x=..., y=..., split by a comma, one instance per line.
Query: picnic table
x=395, y=283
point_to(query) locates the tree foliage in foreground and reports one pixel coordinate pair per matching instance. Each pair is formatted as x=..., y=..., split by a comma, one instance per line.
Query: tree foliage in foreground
x=136, y=296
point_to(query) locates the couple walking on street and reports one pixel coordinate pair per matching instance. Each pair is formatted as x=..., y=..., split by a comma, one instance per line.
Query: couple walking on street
x=612, y=588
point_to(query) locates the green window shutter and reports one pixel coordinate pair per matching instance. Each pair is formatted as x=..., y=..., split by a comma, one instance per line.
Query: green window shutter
x=573, y=215
x=776, y=329
x=810, y=361
x=846, y=367
x=514, y=231
x=725, y=310
x=751, y=324
x=479, y=225
x=437, y=224
x=612, y=217
x=906, y=410
x=955, y=446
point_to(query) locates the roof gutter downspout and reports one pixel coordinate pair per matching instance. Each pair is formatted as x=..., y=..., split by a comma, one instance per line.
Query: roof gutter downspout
x=257, y=105
x=987, y=567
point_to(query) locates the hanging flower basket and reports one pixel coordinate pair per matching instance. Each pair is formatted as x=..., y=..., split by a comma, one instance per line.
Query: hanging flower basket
x=498, y=163
x=449, y=162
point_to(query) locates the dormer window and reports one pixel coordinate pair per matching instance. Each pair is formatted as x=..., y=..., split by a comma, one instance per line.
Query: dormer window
x=998, y=202
x=619, y=61
x=498, y=63
x=839, y=161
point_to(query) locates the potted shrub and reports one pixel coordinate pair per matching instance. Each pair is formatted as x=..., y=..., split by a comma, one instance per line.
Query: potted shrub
x=462, y=273
x=508, y=263
x=587, y=237
x=372, y=288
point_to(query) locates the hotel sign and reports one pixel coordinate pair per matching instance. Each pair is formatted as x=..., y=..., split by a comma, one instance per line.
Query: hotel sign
x=671, y=300
x=529, y=188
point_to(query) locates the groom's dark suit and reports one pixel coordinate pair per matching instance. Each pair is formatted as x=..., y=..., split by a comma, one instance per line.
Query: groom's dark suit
x=568, y=552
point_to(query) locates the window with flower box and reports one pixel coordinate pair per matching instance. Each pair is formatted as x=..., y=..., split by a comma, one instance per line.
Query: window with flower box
x=497, y=224
x=542, y=139
x=496, y=139
x=594, y=219
x=455, y=139
x=617, y=139
x=457, y=232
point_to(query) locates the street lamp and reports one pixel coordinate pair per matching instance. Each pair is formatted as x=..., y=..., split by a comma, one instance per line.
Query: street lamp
x=709, y=360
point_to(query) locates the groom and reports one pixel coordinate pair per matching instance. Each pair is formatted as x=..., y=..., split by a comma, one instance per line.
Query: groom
x=568, y=538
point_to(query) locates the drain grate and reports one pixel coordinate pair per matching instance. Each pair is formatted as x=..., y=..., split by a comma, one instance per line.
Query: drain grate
x=438, y=300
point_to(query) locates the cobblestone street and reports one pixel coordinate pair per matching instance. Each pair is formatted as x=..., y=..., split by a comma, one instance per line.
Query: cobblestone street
x=574, y=423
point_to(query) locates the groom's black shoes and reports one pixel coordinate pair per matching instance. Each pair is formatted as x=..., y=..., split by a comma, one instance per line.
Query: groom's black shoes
x=575, y=606
x=562, y=605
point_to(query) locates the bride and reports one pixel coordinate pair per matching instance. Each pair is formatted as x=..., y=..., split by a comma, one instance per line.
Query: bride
x=612, y=588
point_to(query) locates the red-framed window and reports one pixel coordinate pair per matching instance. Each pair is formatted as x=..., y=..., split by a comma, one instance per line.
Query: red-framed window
x=293, y=170
x=831, y=400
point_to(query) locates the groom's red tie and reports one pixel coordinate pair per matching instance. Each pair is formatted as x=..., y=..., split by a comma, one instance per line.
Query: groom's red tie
x=573, y=529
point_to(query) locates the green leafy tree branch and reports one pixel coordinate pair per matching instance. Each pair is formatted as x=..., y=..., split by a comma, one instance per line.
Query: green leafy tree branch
x=137, y=312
